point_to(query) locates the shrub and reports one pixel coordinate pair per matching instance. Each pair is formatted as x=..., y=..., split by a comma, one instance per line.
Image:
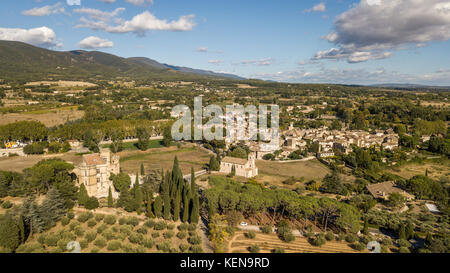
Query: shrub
x=109, y=235
x=114, y=245
x=148, y=243
x=62, y=245
x=351, y=238
x=195, y=240
x=155, y=234
x=278, y=250
x=126, y=229
x=51, y=240
x=403, y=243
x=164, y=246
x=183, y=226
x=99, y=217
x=254, y=248
x=318, y=241
x=149, y=223
x=110, y=219
x=168, y=234
x=102, y=228
x=7, y=204
x=404, y=249
x=136, y=238
x=196, y=249
x=100, y=242
x=68, y=235
x=250, y=234
x=79, y=231
x=122, y=220
x=192, y=227
x=329, y=236
x=92, y=223
x=184, y=247
x=170, y=226
x=181, y=235
x=74, y=225
x=160, y=225
x=90, y=236
x=83, y=217
x=142, y=230
x=358, y=246
x=65, y=221
x=84, y=244
x=41, y=239
x=134, y=221
x=387, y=241
x=70, y=215
x=95, y=250
x=267, y=229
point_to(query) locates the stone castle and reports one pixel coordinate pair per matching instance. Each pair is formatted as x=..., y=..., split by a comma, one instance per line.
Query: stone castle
x=94, y=172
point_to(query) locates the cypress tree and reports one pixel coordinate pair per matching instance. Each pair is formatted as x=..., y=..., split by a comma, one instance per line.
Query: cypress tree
x=193, y=186
x=402, y=232
x=166, y=197
x=176, y=207
x=21, y=226
x=185, y=206
x=157, y=206
x=82, y=195
x=142, y=169
x=366, y=226
x=138, y=197
x=409, y=231
x=195, y=209
x=110, y=198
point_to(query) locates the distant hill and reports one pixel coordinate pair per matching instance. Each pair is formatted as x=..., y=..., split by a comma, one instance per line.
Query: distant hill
x=407, y=86
x=24, y=62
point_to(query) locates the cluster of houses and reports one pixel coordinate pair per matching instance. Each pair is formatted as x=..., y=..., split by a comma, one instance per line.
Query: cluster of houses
x=331, y=140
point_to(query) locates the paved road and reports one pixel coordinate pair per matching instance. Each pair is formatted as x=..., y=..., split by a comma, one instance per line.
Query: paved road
x=187, y=177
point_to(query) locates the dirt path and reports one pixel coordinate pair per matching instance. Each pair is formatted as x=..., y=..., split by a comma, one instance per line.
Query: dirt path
x=204, y=235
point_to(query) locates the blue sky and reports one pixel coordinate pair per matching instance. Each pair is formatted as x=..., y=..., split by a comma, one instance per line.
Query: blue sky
x=334, y=41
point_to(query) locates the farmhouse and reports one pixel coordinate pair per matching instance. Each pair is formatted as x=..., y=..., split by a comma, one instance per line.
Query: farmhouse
x=243, y=167
x=95, y=170
x=383, y=190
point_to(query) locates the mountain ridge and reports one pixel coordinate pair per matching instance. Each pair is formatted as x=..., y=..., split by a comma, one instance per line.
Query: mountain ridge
x=21, y=61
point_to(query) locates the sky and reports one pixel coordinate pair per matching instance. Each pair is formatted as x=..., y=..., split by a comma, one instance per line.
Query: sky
x=307, y=41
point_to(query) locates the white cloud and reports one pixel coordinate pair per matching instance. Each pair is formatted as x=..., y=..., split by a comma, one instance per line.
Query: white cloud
x=139, y=2
x=45, y=10
x=373, y=28
x=139, y=24
x=202, y=49
x=42, y=36
x=316, y=8
x=74, y=2
x=357, y=76
x=93, y=42
x=216, y=62
x=108, y=1
x=99, y=14
x=260, y=62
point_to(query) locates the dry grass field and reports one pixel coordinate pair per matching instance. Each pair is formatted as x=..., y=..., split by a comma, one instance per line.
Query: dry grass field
x=62, y=83
x=162, y=158
x=268, y=242
x=276, y=173
x=435, y=171
x=49, y=117
x=18, y=163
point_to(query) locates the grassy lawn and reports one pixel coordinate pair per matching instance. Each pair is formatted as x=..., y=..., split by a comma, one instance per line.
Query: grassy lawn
x=275, y=172
x=435, y=170
x=162, y=159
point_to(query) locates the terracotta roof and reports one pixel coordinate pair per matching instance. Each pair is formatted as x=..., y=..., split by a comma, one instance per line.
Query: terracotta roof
x=387, y=188
x=93, y=159
x=234, y=160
